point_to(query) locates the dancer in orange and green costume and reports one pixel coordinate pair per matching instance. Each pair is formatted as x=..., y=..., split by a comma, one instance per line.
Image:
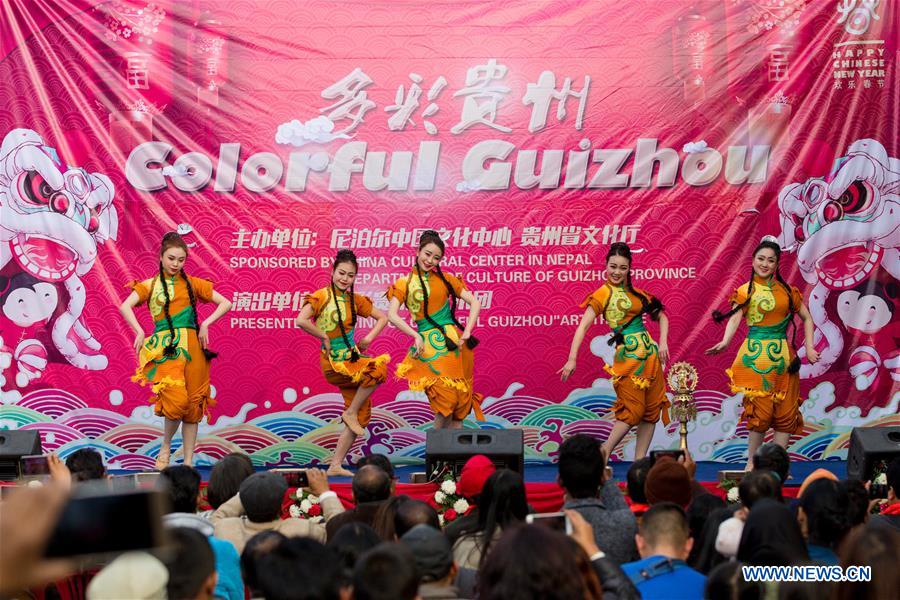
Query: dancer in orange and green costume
x=329, y=314
x=175, y=358
x=441, y=362
x=766, y=369
x=637, y=372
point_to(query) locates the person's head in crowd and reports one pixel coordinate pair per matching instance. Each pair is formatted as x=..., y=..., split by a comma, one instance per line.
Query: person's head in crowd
x=704, y=555
x=383, y=522
x=699, y=509
x=698, y=512
x=262, y=495
x=581, y=466
x=135, y=575
x=503, y=504
x=664, y=532
x=371, y=484
x=757, y=485
x=857, y=501
x=473, y=476
x=433, y=554
x=878, y=548
x=668, y=481
x=823, y=514
x=299, y=568
x=772, y=457
x=893, y=480
x=256, y=548
x=772, y=536
x=589, y=574
x=191, y=565
x=183, y=486
x=815, y=476
x=379, y=460
x=726, y=582
x=86, y=464
x=413, y=513
x=350, y=542
x=533, y=561
x=226, y=477
x=387, y=572
x=637, y=478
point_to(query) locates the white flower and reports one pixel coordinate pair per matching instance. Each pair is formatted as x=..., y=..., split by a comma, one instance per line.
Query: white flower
x=461, y=506
x=881, y=479
x=734, y=495
x=439, y=497
x=313, y=499
x=294, y=510
x=305, y=505
x=448, y=487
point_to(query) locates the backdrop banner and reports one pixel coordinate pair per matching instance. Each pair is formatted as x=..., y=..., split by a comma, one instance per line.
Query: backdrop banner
x=530, y=134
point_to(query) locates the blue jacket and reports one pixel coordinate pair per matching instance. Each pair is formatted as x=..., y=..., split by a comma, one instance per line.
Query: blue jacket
x=661, y=578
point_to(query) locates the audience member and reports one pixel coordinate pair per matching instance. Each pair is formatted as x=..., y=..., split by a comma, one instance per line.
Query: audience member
x=581, y=475
x=371, y=488
x=664, y=543
x=387, y=572
x=191, y=565
x=434, y=562
x=257, y=507
x=533, y=562
x=824, y=519
x=502, y=504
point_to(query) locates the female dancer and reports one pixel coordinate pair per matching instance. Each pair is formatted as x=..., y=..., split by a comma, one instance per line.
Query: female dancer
x=175, y=358
x=766, y=369
x=441, y=362
x=334, y=310
x=637, y=375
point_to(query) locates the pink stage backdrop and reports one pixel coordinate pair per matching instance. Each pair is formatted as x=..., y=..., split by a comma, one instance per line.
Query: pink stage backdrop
x=531, y=134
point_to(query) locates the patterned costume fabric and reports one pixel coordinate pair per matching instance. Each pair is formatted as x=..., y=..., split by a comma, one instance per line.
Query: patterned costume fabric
x=444, y=375
x=760, y=369
x=636, y=371
x=336, y=365
x=180, y=382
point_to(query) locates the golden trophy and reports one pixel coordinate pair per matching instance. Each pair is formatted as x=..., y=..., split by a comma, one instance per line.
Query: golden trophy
x=682, y=381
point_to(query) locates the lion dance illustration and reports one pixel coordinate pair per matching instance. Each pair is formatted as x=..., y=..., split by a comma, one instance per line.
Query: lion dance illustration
x=52, y=219
x=845, y=229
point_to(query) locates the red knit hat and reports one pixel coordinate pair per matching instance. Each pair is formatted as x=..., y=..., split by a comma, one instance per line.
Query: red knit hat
x=474, y=474
x=668, y=481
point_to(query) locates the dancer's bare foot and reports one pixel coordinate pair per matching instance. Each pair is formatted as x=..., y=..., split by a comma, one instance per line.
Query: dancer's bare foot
x=338, y=472
x=352, y=423
x=162, y=459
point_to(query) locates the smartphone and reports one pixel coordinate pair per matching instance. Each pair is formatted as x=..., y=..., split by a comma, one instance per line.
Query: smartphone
x=97, y=521
x=34, y=466
x=295, y=477
x=134, y=481
x=557, y=521
x=674, y=454
x=878, y=491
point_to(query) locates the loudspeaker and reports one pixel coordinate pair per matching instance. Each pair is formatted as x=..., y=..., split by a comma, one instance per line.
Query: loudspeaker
x=869, y=445
x=15, y=444
x=449, y=449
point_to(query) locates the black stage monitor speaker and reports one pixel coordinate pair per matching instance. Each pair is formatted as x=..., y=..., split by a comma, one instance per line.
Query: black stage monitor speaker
x=449, y=449
x=15, y=444
x=868, y=446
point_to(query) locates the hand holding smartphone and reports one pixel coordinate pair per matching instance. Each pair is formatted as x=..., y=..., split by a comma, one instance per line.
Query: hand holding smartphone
x=557, y=521
x=295, y=477
x=676, y=455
